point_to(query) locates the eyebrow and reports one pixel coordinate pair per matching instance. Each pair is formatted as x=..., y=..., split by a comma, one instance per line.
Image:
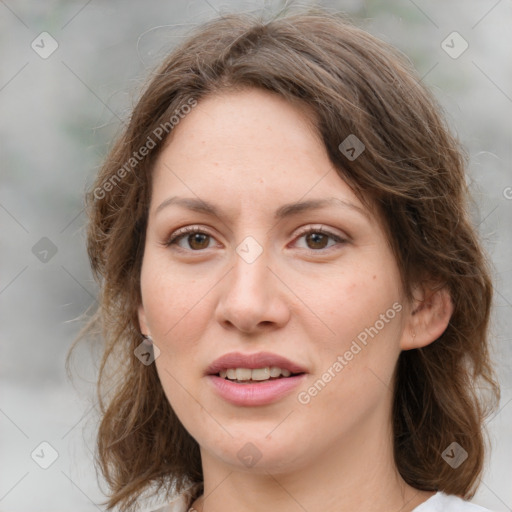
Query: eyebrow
x=284, y=211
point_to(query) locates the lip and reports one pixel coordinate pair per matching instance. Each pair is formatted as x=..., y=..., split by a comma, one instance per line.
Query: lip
x=252, y=361
x=250, y=395
x=258, y=393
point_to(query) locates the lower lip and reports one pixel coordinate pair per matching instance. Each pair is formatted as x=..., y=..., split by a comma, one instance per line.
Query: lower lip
x=261, y=393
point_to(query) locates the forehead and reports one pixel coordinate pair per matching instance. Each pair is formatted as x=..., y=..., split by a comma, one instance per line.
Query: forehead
x=232, y=125
x=249, y=147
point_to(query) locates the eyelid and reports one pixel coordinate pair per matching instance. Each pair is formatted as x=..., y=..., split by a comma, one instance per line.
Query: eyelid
x=176, y=234
x=320, y=228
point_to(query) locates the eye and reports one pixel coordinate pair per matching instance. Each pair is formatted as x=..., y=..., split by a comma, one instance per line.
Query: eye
x=317, y=238
x=196, y=238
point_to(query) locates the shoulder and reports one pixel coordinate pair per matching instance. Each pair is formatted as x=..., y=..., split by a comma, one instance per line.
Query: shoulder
x=179, y=504
x=442, y=502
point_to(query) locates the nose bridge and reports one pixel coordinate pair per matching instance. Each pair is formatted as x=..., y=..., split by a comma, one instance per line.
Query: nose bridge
x=250, y=259
x=249, y=278
x=250, y=295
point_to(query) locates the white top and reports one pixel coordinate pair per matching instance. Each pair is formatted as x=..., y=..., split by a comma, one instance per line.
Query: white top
x=440, y=502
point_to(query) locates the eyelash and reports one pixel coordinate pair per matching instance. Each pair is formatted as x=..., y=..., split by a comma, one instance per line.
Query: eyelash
x=189, y=230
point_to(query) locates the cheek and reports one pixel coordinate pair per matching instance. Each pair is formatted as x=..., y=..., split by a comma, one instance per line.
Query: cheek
x=171, y=300
x=356, y=299
x=363, y=311
x=355, y=364
x=176, y=320
x=178, y=308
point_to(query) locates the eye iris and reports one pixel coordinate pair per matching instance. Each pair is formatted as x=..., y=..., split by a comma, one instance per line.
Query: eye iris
x=317, y=238
x=200, y=238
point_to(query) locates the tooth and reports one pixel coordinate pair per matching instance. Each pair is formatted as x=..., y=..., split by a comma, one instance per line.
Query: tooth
x=243, y=373
x=260, y=373
x=275, y=371
x=257, y=374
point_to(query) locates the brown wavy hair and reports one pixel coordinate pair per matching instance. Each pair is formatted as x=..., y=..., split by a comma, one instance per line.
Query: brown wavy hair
x=412, y=171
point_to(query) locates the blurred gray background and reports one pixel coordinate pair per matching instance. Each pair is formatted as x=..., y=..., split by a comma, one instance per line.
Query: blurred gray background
x=70, y=72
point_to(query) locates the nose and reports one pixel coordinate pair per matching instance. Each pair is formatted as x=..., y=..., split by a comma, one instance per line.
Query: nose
x=253, y=298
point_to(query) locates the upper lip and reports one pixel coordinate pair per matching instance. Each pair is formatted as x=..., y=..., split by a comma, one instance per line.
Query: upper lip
x=258, y=360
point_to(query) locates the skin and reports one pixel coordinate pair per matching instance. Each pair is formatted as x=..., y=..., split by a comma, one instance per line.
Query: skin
x=250, y=152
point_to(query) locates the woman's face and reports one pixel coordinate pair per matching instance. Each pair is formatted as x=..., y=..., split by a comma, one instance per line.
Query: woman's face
x=254, y=281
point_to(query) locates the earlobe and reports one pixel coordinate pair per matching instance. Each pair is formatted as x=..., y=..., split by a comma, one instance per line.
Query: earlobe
x=428, y=319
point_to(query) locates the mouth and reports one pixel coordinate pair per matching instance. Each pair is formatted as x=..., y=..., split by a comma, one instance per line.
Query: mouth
x=256, y=375
x=257, y=367
x=259, y=379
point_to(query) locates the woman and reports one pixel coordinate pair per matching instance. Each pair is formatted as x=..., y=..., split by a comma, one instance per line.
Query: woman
x=294, y=302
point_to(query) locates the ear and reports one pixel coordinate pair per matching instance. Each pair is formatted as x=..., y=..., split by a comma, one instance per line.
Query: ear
x=144, y=329
x=428, y=316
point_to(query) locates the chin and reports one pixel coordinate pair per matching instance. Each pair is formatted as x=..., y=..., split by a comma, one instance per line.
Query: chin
x=260, y=453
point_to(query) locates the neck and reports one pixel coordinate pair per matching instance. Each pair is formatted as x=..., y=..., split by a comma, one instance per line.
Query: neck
x=358, y=473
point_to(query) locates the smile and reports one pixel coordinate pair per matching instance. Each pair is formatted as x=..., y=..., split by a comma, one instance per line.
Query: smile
x=254, y=374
